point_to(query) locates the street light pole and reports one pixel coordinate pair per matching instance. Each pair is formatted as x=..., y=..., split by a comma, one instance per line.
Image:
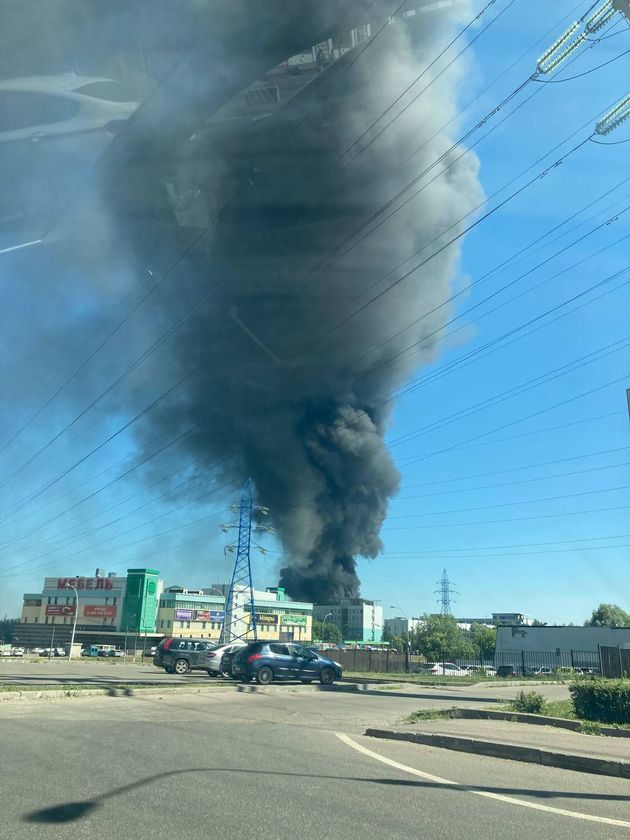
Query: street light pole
x=74, y=623
x=407, y=643
x=328, y=615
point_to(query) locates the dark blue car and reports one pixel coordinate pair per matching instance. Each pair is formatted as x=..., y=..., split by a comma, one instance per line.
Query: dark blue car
x=267, y=661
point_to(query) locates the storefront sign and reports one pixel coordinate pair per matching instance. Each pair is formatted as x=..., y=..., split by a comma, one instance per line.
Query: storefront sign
x=183, y=615
x=294, y=619
x=86, y=583
x=266, y=618
x=99, y=611
x=60, y=609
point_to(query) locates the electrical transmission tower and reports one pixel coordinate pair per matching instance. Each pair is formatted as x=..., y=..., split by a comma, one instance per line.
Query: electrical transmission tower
x=445, y=592
x=240, y=611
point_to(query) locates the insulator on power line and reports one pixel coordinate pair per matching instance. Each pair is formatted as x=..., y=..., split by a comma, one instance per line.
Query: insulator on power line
x=601, y=17
x=557, y=44
x=559, y=57
x=601, y=22
x=615, y=117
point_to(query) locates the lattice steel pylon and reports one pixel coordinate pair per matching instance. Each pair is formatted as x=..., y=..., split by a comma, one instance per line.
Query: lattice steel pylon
x=445, y=592
x=239, y=622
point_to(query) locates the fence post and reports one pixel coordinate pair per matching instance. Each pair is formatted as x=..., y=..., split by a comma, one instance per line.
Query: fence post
x=572, y=660
x=523, y=662
x=620, y=662
x=387, y=661
x=370, y=660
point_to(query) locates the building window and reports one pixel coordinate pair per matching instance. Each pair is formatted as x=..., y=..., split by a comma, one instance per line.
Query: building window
x=49, y=600
x=36, y=620
x=55, y=599
x=188, y=625
x=114, y=600
x=52, y=620
x=203, y=625
x=181, y=625
x=168, y=622
x=25, y=621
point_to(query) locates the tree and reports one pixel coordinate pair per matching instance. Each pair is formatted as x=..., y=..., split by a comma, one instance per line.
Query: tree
x=327, y=632
x=537, y=623
x=7, y=628
x=608, y=615
x=483, y=639
x=438, y=638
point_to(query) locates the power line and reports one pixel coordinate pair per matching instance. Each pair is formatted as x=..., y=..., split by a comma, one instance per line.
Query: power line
x=511, y=519
x=434, y=493
x=518, y=390
x=614, y=489
x=459, y=35
x=524, y=467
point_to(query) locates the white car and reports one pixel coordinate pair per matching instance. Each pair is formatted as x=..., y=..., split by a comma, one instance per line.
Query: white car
x=443, y=669
x=17, y=651
x=215, y=658
x=52, y=130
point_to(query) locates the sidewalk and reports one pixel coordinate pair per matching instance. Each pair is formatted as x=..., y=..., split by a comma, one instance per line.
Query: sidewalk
x=520, y=742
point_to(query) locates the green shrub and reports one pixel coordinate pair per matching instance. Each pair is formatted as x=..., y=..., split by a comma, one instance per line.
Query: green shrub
x=607, y=701
x=528, y=701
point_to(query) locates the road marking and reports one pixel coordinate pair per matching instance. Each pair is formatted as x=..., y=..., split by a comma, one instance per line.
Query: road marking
x=576, y=815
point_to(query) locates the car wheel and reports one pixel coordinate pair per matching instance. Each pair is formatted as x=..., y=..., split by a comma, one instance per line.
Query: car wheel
x=181, y=667
x=226, y=674
x=264, y=676
x=327, y=676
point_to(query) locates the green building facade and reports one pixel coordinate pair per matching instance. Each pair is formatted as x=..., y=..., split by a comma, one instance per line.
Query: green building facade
x=141, y=601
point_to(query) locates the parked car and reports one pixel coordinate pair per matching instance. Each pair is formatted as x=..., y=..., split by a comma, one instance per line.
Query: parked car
x=443, y=669
x=220, y=659
x=17, y=651
x=178, y=656
x=481, y=670
x=544, y=671
x=268, y=661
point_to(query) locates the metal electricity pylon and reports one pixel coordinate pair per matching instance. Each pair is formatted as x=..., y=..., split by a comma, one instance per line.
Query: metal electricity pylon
x=445, y=592
x=238, y=622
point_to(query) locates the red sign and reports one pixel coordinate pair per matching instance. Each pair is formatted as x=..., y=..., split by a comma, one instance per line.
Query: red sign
x=60, y=609
x=203, y=615
x=86, y=583
x=99, y=611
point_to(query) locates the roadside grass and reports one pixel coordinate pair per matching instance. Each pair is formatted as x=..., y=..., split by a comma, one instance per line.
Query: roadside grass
x=429, y=714
x=424, y=679
x=564, y=709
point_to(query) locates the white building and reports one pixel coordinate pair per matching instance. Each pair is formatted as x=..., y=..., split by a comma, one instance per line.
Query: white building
x=358, y=620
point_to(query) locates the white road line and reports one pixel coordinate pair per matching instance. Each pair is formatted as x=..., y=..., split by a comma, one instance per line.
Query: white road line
x=487, y=794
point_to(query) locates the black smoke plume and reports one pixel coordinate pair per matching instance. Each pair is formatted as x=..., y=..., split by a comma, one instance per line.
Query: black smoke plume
x=281, y=394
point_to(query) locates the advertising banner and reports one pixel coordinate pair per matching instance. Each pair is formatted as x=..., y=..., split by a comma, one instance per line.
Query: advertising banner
x=294, y=619
x=183, y=615
x=210, y=615
x=99, y=611
x=60, y=609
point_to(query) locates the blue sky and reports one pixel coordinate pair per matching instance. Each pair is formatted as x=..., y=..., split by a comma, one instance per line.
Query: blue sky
x=548, y=539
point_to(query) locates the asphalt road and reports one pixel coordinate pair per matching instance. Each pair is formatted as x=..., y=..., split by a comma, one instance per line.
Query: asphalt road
x=283, y=762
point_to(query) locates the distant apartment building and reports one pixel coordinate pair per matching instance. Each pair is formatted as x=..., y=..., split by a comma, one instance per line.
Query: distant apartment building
x=358, y=619
x=398, y=626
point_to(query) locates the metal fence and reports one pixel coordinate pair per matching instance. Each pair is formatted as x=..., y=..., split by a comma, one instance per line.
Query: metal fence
x=615, y=661
x=520, y=662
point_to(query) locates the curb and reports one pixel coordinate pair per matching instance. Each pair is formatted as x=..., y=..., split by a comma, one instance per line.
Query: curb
x=531, y=755
x=457, y=713
x=195, y=688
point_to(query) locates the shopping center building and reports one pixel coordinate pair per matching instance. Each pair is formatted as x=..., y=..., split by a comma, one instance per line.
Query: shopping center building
x=200, y=613
x=136, y=611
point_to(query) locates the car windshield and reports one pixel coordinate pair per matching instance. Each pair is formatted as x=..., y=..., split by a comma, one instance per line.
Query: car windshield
x=313, y=319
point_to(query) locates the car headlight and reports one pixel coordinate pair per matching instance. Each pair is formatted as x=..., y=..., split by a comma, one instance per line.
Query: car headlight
x=337, y=664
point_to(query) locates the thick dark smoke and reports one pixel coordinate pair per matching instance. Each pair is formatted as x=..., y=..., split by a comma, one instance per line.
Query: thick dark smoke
x=305, y=415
